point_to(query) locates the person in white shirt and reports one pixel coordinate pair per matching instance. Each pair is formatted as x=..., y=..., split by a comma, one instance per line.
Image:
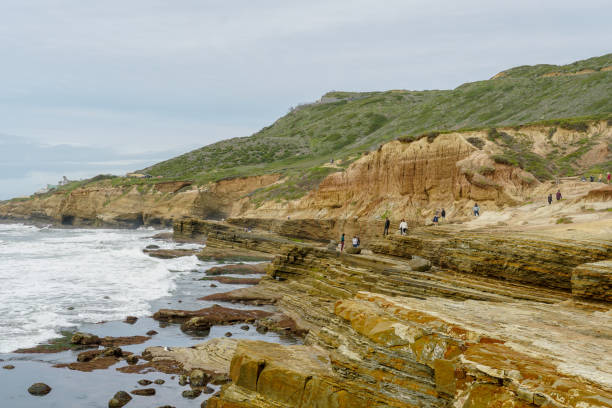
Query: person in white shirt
x=403, y=227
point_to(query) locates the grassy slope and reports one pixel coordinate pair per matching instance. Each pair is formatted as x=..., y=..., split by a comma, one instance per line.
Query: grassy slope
x=298, y=143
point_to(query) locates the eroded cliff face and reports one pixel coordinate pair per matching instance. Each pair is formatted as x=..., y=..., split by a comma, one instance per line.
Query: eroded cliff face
x=133, y=206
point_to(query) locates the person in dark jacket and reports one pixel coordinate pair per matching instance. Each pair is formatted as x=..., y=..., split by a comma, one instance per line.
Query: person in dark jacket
x=559, y=197
x=387, y=225
x=443, y=214
x=550, y=199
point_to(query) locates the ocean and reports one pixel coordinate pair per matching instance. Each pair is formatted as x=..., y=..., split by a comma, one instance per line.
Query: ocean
x=53, y=279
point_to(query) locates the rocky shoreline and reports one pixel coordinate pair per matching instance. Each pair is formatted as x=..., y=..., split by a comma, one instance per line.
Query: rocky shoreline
x=441, y=317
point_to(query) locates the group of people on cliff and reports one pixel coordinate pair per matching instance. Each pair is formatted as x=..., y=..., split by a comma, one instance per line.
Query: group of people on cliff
x=600, y=178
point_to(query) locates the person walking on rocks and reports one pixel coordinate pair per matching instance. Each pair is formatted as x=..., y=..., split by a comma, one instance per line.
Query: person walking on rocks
x=550, y=199
x=476, y=210
x=403, y=227
x=443, y=214
x=435, y=219
x=600, y=179
x=387, y=225
x=342, y=242
x=559, y=196
x=608, y=177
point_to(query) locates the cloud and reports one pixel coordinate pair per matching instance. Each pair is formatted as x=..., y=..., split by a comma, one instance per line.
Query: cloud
x=154, y=75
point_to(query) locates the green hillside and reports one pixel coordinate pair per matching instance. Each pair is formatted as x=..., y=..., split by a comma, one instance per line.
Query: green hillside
x=345, y=124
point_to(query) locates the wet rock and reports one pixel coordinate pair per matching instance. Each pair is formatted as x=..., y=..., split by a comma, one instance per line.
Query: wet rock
x=191, y=394
x=212, y=285
x=198, y=378
x=144, y=382
x=130, y=319
x=261, y=329
x=151, y=333
x=159, y=381
x=70, y=308
x=240, y=269
x=131, y=359
x=219, y=378
x=169, y=253
x=166, y=406
x=119, y=399
x=245, y=327
x=85, y=339
x=232, y=280
x=122, y=341
x=88, y=355
x=8, y=367
x=106, y=297
x=228, y=334
x=208, y=390
x=183, y=380
x=146, y=392
x=39, y=389
x=204, y=404
x=112, y=352
x=203, y=319
x=152, y=246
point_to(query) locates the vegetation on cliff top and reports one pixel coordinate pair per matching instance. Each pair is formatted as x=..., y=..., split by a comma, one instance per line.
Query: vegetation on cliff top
x=347, y=124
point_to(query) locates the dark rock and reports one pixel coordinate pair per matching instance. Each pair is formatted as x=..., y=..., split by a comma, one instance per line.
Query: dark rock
x=112, y=352
x=262, y=329
x=146, y=392
x=151, y=333
x=245, y=327
x=208, y=390
x=204, y=404
x=106, y=297
x=39, y=389
x=212, y=285
x=144, y=382
x=120, y=399
x=191, y=394
x=85, y=339
x=228, y=334
x=131, y=359
x=183, y=380
x=152, y=246
x=88, y=355
x=352, y=250
x=159, y=381
x=198, y=378
x=166, y=406
x=70, y=308
x=130, y=319
x=8, y=367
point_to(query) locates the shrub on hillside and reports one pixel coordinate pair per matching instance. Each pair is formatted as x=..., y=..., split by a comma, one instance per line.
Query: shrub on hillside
x=505, y=159
x=476, y=142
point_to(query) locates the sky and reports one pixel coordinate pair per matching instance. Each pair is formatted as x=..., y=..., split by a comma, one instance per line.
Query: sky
x=113, y=86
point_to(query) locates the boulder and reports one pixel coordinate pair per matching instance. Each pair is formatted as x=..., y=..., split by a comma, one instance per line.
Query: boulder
x=159, y=381
x=191, y=394
x=85, y=339
x=419, y=264
x=593, y=281
x=352, y=250
x=144, y=382
x=39, y=389
x=151, y=333
x=332, y=246
x=198, y=378
x=130, y=319
x=8, y=367
x=131, y=359
x=119, y=399
x=146, y=392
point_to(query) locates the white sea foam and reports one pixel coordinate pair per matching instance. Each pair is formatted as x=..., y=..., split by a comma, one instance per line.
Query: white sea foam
x=102, y=274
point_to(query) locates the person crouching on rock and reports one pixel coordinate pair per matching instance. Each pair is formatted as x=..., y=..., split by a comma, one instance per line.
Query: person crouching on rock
x=403, y=227
x=342, y=242
x=550, y=199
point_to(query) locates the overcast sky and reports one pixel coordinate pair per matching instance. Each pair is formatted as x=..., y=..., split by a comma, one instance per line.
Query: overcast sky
x=122, y=84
